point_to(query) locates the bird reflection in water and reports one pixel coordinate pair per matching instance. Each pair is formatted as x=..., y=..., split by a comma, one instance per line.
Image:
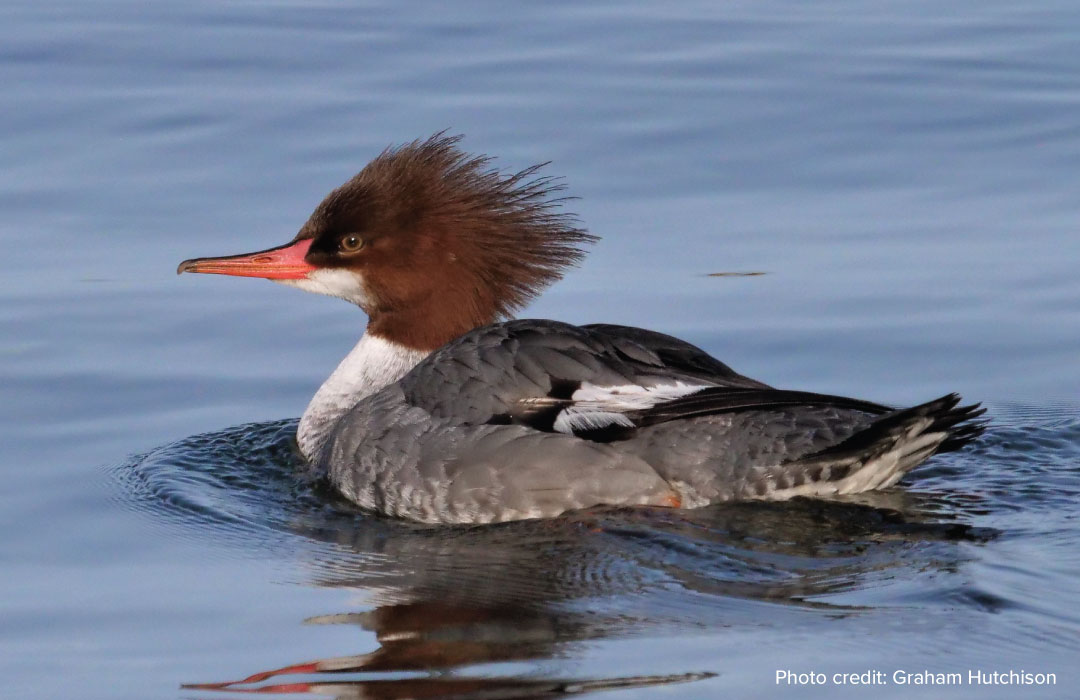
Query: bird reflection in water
x=448, y=600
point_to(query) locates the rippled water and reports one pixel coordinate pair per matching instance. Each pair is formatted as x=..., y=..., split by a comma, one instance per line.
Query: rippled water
x=905, y=175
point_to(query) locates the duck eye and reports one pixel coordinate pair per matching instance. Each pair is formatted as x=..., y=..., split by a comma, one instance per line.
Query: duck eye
x=352, y=243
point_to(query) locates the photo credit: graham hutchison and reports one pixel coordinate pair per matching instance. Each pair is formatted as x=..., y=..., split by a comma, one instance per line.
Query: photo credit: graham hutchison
x=924, y=677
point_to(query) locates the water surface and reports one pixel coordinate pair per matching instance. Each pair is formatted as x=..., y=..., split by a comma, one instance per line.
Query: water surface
x=905, y=175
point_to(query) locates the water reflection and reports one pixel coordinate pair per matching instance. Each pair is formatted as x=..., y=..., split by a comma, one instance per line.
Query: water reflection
x=435, y=636
x=453, y=600
x=458, y=688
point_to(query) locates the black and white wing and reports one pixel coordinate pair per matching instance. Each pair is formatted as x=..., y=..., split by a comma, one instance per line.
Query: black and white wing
x=600, y=382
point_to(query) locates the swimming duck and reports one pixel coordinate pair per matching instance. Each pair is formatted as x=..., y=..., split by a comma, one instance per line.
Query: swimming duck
x=447, y=412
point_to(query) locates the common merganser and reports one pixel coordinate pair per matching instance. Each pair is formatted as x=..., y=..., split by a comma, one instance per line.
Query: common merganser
x=444, y=414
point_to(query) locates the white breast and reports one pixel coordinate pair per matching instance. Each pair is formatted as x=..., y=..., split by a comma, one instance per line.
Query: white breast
x=371, y=365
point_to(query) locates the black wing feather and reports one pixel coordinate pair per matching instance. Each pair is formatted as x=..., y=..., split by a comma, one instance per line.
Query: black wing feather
x=727, y=400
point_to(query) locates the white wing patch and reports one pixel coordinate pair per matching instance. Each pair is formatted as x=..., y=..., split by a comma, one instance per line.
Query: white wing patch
x=575, y=418
x=598, y=407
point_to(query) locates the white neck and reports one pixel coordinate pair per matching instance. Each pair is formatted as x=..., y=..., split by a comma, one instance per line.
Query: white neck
x=371, y=365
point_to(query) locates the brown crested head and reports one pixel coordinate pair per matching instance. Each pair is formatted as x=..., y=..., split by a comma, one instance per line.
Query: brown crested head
x=430, y=241
x=439, y=241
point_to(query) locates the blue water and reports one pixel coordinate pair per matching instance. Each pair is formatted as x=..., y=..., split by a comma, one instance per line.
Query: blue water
x=906, y=175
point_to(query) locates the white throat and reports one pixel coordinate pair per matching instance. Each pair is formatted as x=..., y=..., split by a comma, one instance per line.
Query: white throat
x=373, y=364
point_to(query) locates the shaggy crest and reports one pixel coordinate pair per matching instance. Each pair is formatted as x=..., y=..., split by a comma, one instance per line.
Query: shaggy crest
x=458, y=214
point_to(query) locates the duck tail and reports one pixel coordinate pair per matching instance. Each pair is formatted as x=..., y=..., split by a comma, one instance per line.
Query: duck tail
x=894, y=444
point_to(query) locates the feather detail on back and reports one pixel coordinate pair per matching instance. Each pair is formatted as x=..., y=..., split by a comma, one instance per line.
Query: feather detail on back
x=590, y=408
